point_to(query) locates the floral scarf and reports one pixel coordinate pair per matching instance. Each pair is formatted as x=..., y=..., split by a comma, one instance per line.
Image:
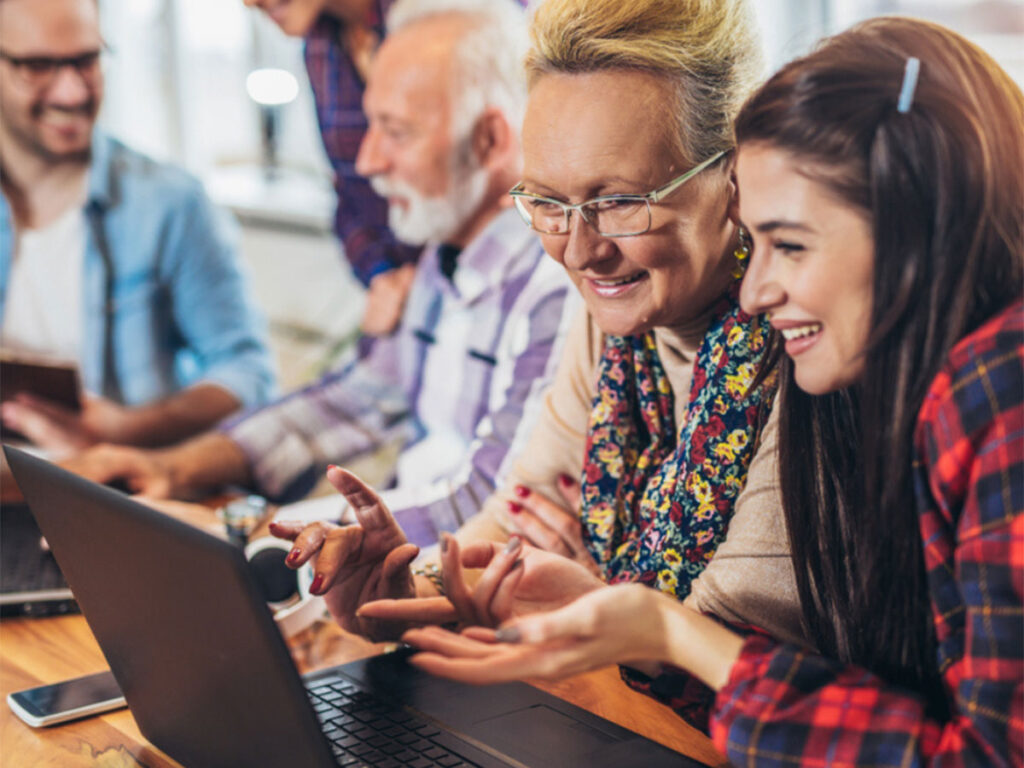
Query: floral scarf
x=656, y=507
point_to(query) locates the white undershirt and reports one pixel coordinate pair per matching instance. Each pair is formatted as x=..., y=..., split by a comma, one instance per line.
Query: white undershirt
x=43, y=312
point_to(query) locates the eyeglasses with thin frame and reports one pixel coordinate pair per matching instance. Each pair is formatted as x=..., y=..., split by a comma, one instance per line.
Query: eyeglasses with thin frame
x=40, y=71
x=610, y=215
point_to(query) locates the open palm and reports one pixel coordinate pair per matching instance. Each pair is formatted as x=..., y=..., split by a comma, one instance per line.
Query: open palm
x=545, y=581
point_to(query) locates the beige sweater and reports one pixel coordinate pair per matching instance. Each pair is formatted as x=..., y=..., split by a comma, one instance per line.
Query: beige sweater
x=750, y=579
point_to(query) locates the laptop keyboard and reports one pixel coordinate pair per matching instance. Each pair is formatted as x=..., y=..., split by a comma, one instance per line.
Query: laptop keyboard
x=26, y=566
x=365, y=730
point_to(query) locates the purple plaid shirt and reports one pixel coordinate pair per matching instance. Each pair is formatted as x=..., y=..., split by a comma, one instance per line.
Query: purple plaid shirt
x=360, y=220
x=458, y=386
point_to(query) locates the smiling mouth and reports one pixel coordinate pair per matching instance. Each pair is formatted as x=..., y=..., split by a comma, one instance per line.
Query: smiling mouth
x=627, y=280
x=801, y=331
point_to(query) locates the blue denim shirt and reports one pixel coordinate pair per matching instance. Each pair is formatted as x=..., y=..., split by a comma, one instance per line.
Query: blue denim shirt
x=165, y=303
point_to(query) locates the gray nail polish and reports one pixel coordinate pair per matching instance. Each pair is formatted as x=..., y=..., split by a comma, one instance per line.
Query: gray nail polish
x=513, y=545
x=508, y=635
x=444, y=543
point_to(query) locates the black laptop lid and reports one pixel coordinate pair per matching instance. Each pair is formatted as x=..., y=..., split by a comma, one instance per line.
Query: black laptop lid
x=137, y=573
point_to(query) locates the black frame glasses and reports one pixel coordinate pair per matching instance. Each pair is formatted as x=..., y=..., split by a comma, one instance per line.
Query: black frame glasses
x=40, y=71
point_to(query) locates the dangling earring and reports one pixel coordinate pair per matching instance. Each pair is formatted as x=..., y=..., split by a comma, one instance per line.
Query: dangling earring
x=742, y=254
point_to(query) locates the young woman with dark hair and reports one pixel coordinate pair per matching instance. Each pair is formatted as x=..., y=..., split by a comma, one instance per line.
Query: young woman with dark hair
x=881, y=179
x=938, y=180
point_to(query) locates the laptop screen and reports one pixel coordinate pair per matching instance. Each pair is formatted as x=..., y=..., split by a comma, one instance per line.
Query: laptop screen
x=30, y=581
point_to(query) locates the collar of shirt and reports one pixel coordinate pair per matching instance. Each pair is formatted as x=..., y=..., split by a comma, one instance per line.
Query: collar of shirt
x=481, y=264
x=102, y=189
x=448, y=257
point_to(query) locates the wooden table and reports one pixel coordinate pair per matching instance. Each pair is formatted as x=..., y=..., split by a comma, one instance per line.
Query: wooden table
x=38, y=651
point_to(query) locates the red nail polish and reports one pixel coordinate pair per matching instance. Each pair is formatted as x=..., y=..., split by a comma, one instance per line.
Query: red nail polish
x=515, y=508
x=521, y=491
x=331, y=466
x=564, y=479
x=293, y=556
x=318, y=582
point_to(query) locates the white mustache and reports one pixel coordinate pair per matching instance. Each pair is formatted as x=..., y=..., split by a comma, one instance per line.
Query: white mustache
x=387, y=188
x=422, y=218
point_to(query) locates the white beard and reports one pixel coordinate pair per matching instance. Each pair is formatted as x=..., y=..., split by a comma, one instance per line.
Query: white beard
x=433, y=219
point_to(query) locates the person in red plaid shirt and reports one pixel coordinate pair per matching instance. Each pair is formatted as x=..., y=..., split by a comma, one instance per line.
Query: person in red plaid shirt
x=881, y=179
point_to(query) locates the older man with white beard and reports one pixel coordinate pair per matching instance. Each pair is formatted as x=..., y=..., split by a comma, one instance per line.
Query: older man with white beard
x=460, y=381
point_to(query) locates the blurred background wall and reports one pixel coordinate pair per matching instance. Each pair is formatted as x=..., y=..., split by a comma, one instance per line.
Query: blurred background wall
x=176, y=89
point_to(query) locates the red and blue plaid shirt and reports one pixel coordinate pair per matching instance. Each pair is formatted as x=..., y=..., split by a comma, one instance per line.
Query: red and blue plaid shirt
x=361, y=218
x=786, y=706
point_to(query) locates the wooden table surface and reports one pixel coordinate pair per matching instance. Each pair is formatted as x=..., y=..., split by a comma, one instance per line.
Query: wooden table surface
x=38, y=651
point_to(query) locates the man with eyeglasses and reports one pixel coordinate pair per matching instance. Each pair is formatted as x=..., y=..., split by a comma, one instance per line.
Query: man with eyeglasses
x=487, y=314
x=108, y=259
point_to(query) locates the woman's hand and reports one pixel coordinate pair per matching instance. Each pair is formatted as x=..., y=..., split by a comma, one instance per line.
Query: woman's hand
x=624, y=624
x=614, y=625
x=355, y=564
x=551, y=525
x=517, y=580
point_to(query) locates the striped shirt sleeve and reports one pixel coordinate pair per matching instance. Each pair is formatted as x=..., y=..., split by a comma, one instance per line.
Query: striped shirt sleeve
x=533, y=343
x=349, y=413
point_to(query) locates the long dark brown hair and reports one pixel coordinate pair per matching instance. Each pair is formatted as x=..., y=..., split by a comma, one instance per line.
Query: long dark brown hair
x=942, y=184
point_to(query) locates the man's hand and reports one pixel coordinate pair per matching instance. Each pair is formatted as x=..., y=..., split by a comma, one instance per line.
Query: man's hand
x=385, y=300
x=518, y=580
x=140, y=471
x=355, y=564
x=62, y=431
x=198, y=515
x=550, y=525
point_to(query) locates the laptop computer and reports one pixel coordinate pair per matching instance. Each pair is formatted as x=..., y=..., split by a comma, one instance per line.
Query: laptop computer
x=31, y=584
x=211, y=682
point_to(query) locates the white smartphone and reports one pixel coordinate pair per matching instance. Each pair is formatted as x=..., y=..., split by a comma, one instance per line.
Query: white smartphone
x=67, y=700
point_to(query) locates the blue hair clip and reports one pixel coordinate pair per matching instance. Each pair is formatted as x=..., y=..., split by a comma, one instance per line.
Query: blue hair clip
x=909, y=85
